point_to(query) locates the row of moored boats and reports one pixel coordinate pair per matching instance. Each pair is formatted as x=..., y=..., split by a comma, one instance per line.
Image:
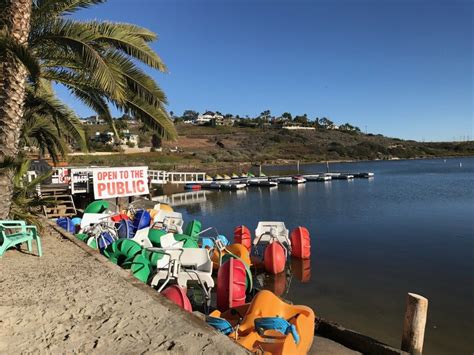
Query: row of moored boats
x=235, y=182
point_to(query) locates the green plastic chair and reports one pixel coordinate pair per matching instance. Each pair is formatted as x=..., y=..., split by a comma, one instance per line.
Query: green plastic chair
x=22, y=233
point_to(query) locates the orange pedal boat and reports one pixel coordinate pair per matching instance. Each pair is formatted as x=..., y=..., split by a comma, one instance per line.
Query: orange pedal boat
x=268, y=324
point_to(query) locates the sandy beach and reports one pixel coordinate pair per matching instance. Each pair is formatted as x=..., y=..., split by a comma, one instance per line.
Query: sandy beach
x=69, y=302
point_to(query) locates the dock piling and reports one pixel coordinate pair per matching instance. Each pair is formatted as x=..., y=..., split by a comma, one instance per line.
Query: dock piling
x=414, y=324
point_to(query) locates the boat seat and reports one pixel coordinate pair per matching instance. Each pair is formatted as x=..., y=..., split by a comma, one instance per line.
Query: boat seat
x=91, y=219
x=267, y=232
x=171, y=221
x=184, y=265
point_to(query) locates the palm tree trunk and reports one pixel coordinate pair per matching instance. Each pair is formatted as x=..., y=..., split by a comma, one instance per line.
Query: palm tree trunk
x=13, y=77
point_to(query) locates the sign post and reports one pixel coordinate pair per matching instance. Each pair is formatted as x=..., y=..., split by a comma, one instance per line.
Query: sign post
x=120, y=182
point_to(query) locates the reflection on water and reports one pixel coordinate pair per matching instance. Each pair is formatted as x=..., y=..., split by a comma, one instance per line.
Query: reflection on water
x=408, y=229
x=301, y=269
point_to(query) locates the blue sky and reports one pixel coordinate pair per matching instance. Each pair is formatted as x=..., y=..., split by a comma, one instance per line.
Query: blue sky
x=401, y=68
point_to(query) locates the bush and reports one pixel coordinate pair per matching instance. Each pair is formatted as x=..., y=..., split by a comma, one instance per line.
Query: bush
x=130, y=144
x=143, y=140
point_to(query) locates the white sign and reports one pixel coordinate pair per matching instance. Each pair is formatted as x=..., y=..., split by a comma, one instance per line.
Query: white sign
x=119, y=182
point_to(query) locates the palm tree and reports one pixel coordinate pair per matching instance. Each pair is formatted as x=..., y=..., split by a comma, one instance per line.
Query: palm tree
x=13, y=75
x=95, y=60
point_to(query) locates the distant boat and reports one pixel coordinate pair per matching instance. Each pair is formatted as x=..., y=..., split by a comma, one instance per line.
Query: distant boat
x=262, y=183
x=342, y=177
x=297, y=179
x=192, y=187
x=218, y=177
x=226, y=177
x=235, y=176
x=226, y=186
x=317, y=177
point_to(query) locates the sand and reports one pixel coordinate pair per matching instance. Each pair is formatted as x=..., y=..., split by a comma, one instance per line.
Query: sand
x=69, y=302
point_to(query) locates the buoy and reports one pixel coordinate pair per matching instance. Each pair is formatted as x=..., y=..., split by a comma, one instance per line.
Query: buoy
x=300, y=243
x=274, y=258
x=231, y=284
x=177, y=295
x=242, y=236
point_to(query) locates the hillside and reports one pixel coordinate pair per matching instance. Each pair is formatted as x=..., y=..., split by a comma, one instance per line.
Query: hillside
x=201, y=146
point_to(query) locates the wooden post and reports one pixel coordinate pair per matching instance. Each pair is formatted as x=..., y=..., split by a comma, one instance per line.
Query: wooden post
x=414, y=324
x=298, y=166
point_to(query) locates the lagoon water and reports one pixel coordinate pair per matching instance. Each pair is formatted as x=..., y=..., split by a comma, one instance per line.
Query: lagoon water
x=409, y=229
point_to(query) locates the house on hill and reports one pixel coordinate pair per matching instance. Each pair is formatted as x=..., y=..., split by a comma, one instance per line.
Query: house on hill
x=92, y=120
x=207, y=117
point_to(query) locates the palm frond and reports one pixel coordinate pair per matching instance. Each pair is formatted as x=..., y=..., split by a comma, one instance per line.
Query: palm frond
x=40, y=132
x=78, y=41
x=121, y=37
x=154, y=117
x=47, y=9
x=138, y=82
x=45, y=106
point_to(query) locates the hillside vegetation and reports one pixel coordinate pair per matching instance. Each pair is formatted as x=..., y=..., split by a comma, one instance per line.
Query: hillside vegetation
x=200, y=146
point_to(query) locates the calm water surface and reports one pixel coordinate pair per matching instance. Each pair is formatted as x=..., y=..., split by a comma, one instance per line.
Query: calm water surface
x=409, y=229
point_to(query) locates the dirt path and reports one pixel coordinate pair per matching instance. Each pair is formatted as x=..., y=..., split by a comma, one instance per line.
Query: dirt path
x=69, y=302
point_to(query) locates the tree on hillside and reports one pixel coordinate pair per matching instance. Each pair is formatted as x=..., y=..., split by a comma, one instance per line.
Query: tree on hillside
x=190, y=115
x=95, y=60
x=301, y=119
x=287, y=116
x=325, y=122
x=156, y=141
x=349, y=127
x=121, y=124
